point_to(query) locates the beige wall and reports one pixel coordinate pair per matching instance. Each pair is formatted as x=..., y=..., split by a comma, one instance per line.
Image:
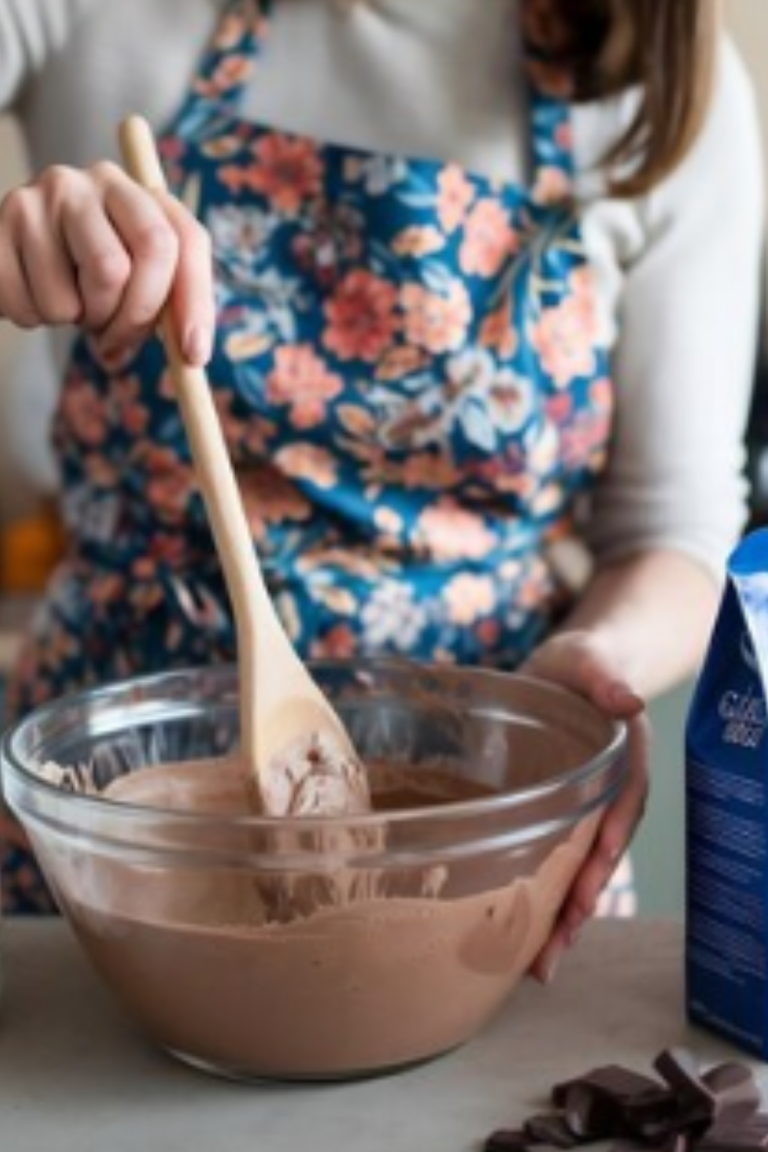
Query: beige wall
x=748, y=20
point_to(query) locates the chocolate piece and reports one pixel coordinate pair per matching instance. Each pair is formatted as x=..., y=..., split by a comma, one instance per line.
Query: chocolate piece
x=612, y=1080
x=735, y=1090
x=508, y=1140
x=677, y=1142
x=697, y=1102
x=691, y=1111
x=614, y=1101
x=590, y=1114
x=550, y=1128
x=730, y=1135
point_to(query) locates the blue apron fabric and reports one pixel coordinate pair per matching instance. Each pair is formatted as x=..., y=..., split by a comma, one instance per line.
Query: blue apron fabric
x=413, y=389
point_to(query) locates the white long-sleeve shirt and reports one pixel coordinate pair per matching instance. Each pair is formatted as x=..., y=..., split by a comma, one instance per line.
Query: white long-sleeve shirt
x=678, y=268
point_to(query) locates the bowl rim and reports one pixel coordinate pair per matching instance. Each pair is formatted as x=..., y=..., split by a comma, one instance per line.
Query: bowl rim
x=612, y=754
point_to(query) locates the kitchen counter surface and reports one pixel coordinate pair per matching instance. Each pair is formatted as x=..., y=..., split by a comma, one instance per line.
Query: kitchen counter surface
x=75, y=1076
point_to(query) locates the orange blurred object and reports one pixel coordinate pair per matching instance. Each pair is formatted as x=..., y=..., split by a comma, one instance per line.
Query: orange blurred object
x=30, y=548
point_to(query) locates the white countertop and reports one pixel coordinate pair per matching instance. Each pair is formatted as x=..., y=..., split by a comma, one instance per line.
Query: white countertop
x=75, y=1077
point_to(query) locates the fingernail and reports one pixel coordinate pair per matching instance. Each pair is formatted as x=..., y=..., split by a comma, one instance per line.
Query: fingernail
x=549, y=970
x=571, y=936
x=622, y=696
x=197, y=345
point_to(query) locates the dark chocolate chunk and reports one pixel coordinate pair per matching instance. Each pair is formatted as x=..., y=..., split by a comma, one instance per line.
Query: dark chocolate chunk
x=689, y=1111
x=735, y=1090
x=697, y=1102
x=736, y=1135
x=550, y=1128
x=611, y=1079
x=508, y=1140
x=614, y=1101
x=590, y=1114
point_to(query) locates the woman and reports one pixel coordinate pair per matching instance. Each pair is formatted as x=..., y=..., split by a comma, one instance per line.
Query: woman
x=486, y=294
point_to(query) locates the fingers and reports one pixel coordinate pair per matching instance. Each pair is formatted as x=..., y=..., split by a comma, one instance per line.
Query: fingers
x=16, y=300
x=150, y=249
x=44, y=277
x=577, y=661
x=192, y=293
x=93, y=247
x=614, y=836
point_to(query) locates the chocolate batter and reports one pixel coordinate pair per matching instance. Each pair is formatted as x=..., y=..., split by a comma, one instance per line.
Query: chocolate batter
x=366, y=970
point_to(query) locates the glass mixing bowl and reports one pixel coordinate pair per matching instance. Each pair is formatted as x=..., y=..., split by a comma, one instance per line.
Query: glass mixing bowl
x=316, y=948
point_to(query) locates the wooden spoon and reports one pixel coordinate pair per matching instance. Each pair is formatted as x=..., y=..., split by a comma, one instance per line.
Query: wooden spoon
x=299, y=756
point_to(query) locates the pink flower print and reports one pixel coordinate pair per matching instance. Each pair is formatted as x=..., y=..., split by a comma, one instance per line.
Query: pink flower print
x=449, y=532
x=428, y=470
x=245, y=344
x=469, y=597
x=499, y=333
x=304, y=461
x=585, y=440
x=168, y=548
x=244, y=433
x=552, y=186
x=269, y=497
x=232, y=29
x=402, y=360
x=106, y=589
x=488, y=239
x=132, y=413
x=337, y=644
x=285, y=170
x=564, y=135
x=488, y=632
x=560, y=407
x=221, y=147
x=100, y=470
x=84, y=412
x=229, y=73
x=356, y=420
x=455, y=196
x=347, y=560
x=602, y=394
x=301, y=379
x=437, y=323
x=418, y=241
x=169, y=482
x=510, y=401
x=390, y=525
x=361, y=317
x=564, y=338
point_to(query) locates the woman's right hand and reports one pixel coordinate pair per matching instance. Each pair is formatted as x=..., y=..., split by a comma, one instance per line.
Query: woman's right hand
x=90, y=247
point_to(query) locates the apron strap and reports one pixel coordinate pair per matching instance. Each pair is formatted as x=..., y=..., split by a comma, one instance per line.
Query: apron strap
x=228, y=63
x=550, y=93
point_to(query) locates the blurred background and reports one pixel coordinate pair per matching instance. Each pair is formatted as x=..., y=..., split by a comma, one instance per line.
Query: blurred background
x=29, y=541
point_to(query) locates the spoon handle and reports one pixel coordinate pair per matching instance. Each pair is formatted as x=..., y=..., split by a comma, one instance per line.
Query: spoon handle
x=213, y=468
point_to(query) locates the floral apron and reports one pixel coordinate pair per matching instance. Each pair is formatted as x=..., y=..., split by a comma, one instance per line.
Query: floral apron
x=412, y=387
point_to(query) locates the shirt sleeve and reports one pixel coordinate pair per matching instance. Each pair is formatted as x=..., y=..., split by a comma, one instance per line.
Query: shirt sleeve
x=684, y=357
x=30, y=30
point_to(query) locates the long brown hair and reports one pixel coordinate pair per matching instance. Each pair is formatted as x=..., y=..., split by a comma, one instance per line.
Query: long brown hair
x=666, y=47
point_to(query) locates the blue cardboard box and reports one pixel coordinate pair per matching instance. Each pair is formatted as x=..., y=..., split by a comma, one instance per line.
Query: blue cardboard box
x=727, y=813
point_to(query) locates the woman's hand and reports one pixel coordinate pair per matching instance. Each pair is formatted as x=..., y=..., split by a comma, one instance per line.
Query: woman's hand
x=91, y=247
x=578, y=661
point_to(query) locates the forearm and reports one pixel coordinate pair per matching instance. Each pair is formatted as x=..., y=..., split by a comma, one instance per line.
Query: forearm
x=653, y=614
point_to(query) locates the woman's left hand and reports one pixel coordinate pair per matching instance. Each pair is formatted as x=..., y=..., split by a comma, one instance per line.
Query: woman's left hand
x=579, y=661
